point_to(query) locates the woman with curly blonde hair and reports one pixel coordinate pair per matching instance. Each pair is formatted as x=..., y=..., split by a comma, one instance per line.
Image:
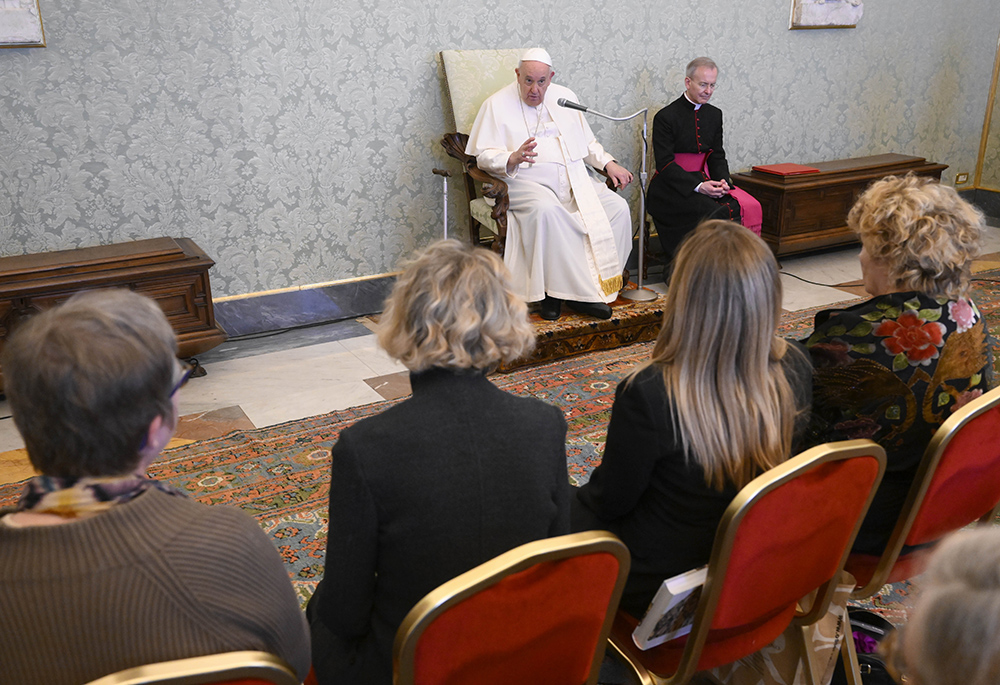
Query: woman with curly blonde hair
x=714, y=407
x=895, y=367
x=445, y=480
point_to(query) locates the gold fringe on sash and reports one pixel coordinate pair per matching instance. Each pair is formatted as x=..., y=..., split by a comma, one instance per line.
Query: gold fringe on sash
x=612, y=285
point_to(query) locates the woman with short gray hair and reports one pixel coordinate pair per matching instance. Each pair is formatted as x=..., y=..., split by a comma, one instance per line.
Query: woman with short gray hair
x=103, y=568
x=953, y=634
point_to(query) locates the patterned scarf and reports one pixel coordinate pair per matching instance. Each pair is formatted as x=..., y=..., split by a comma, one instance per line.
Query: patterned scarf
x=82, y=497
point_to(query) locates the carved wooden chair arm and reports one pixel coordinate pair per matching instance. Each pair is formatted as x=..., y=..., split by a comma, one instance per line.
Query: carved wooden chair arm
x=607, y=180
x=492, y=187
x=496, y=190
x=454, y=144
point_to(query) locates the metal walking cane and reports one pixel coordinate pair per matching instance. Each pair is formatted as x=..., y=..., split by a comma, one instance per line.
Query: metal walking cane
x=444, y=175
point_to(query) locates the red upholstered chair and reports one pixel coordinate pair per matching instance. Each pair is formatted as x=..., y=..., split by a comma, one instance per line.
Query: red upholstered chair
x=231, y=668
x=539, y=613
x=957, y=483
x=785, y=535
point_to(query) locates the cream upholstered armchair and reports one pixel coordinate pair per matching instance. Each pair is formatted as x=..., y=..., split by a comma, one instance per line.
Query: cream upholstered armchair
x=471, y=76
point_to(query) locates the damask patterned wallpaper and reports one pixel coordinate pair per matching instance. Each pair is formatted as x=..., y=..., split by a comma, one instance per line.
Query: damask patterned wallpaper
x=293, y=140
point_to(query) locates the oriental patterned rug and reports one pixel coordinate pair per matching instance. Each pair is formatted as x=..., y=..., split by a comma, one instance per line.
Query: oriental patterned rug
x=575, y=334
x=279, y=475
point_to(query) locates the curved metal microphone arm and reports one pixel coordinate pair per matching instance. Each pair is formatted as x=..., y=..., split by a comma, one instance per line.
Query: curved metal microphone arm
x=606, y=116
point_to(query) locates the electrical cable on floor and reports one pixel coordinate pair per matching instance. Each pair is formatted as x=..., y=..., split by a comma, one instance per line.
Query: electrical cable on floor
x=806, y=280
x=198, y=371
x=830, y=285
x=270, y=334
x=258, y=336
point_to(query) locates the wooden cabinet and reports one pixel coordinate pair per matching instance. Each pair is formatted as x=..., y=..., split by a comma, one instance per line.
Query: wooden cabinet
x=809, y=211
x=172, y=271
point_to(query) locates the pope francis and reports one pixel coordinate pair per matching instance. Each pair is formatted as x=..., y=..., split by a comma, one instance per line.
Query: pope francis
x=568, y=236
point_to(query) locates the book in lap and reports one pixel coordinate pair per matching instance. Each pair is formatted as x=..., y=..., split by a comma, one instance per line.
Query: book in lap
x=671, y=612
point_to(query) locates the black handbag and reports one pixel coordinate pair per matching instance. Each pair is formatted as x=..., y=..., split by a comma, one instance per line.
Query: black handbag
x=871, y=629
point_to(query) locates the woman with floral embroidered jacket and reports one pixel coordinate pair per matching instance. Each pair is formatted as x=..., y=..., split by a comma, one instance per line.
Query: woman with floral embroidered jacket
x=895, y=367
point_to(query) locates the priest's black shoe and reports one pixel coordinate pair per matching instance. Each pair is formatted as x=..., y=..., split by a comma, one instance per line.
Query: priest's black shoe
x=598, y=310
x=551, y=308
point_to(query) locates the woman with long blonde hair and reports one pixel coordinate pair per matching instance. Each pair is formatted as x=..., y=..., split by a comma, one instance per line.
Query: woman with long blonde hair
x=715, y=406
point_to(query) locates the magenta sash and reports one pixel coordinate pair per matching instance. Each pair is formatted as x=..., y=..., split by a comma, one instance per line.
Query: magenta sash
x=750, y=210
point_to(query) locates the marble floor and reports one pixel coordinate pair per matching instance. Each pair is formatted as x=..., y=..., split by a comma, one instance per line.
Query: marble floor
x=272, y=378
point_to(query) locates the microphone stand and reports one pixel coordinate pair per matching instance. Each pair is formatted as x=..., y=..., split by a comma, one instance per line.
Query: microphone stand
x=640, y=294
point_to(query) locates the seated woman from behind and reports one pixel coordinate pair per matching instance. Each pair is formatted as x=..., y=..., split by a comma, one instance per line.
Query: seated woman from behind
x=102, y=568
x=895, y=367
x=714, y=407
x=448, y=479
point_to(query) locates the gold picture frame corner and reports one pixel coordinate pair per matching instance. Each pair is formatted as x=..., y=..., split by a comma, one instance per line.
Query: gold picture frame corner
x=6, y=42
x=792, y=26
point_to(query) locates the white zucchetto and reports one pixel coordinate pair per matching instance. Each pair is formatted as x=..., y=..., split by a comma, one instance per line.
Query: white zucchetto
x=537, y=55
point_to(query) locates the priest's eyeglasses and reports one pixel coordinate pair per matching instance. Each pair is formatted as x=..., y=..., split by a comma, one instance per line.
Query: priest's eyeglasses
x=702, y=84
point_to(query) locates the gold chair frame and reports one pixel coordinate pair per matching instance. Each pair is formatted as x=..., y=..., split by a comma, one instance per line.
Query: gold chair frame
x=921, y=482
x=724, y=540
x=212, y=668
x=492, y=572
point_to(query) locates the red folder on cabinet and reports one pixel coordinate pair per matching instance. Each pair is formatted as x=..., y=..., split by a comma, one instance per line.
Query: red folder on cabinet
x=787, y=169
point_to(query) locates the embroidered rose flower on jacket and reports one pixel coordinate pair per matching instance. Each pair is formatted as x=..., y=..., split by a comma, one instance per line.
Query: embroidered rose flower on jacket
x=912, y=336
x=963, y=314
x=965, y=397
x=856, y=429
x=832, y=353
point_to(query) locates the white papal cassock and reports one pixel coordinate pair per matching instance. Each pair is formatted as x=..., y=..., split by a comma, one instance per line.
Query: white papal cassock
x=568, y=236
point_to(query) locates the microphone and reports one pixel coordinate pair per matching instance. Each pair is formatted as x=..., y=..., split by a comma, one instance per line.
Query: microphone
x=563, y=102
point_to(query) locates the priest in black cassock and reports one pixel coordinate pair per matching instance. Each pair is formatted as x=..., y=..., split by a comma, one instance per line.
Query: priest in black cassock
x=686, y=189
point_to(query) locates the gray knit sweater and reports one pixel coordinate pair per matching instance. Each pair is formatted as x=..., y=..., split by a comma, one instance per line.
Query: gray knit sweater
x=154, y=579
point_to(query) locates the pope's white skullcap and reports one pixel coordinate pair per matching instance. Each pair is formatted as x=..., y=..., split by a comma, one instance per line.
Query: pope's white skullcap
x=537, y=55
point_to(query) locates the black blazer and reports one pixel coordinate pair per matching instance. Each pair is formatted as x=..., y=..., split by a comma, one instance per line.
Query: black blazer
x=650, y=495
x=428, y=489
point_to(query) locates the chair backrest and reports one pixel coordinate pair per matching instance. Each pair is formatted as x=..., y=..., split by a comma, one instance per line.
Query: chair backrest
x=474, y=75
x=957, y=483
x=230, y=668
x=538, y=613
x=787, y=533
